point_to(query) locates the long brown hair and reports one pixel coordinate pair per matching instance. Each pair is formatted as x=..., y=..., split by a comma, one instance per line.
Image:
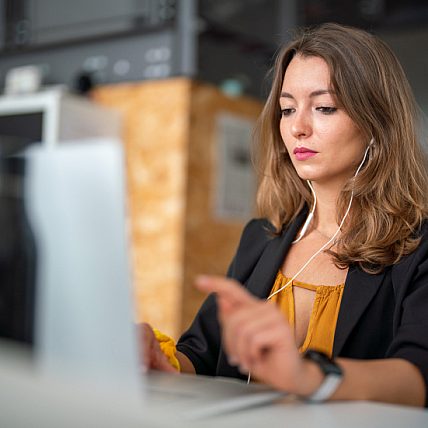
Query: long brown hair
x=390, y=193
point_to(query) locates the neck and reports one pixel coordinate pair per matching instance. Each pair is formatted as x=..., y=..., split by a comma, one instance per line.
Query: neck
x=325, y=212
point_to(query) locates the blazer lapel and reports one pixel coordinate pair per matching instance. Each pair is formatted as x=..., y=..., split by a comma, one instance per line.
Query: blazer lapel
x=360, y=288
x=261, y=281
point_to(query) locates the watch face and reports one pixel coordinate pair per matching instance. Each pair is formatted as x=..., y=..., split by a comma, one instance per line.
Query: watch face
x=333, y=368
x=327, y=365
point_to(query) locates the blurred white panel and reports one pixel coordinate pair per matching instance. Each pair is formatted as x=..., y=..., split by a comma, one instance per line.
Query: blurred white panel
x=84, y=316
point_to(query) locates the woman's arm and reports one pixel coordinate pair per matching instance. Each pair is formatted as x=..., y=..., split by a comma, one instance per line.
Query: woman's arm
x=186, y=365
x=388, y=380
x=393, y=381
x=258, y=339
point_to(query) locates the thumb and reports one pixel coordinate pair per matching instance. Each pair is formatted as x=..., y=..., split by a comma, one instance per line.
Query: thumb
x=160, y=362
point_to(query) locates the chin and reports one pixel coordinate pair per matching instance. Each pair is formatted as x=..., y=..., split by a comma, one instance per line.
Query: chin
x=322, y=179
x=309, y=175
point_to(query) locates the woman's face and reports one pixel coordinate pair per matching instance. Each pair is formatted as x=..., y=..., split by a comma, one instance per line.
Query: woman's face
x=323, y=142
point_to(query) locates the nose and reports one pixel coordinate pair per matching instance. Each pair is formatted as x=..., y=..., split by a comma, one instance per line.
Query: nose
x=301, y=126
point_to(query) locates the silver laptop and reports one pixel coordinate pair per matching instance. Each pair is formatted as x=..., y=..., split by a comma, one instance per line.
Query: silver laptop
x=84, y=322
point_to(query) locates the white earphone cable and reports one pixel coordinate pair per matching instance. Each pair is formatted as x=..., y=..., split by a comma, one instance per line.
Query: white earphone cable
x=335, y=234
x=331, y=240
x=310, y=215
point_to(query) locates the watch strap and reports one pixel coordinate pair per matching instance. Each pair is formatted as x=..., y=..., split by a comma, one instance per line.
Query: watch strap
x=333, y=375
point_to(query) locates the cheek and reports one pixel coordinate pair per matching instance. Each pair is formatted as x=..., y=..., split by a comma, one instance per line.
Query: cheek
x=330, y=128
x=282, y=129
x=349, y=155
x=340, y=133
x=286, y=138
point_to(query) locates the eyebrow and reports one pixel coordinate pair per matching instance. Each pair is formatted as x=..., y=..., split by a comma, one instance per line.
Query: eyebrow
x=312, y=94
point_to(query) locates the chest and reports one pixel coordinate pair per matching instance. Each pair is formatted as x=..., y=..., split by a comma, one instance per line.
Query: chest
x=315, y=295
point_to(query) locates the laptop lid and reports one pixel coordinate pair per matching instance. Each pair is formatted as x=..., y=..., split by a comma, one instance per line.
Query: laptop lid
x=76, y=205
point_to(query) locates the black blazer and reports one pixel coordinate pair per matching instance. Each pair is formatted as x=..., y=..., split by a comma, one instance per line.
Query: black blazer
x=381, y=316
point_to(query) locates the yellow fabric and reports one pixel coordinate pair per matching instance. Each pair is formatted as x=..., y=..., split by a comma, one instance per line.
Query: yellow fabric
x=325, y=310
x=167, y=346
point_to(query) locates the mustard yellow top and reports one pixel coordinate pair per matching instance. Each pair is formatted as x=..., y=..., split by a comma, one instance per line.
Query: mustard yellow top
x=167, y=346
x=325, y=310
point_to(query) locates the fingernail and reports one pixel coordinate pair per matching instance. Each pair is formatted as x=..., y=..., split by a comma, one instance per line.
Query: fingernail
x=232, y=361
x=202, y=279
x=243, y=368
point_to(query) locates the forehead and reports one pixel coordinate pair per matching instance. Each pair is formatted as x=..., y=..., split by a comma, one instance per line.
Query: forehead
x=306, y=73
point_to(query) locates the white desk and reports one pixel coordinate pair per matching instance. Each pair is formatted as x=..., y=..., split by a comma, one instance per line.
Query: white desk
x=332, y=415
x=29, y=401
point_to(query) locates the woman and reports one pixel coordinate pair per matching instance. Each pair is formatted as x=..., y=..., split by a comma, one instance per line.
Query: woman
x=341, y=250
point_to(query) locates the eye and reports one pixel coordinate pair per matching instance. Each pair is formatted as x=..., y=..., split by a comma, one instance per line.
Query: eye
x=327, y=110
x=286, y=111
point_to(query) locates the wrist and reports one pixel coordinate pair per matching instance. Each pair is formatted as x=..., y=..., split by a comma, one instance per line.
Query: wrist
x=311, y=379
x=331, y=373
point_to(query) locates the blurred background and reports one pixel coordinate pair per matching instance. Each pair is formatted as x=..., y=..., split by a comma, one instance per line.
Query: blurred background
x=181, y=84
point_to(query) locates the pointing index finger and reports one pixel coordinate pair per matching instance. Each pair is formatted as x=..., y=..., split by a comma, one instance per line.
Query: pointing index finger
x=225, y=288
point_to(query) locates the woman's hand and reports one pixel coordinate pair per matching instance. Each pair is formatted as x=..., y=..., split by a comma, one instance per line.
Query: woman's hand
x=153, y=357
x=257, y=337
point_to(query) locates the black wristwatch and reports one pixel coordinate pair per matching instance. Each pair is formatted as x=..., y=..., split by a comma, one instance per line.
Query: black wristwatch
x=333, y=375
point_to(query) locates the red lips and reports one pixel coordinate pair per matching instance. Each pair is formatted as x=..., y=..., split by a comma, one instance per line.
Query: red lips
x=303, y=153
x=303, y=150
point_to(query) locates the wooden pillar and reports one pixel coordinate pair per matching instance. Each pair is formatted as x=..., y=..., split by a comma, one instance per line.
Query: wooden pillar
x=170, y=137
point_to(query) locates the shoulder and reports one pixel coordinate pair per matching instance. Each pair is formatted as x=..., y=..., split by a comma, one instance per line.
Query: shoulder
x=263, y=229
x=257, y=229
x=423, y=231
x=260, y=231
x=256, y=235
x=416, y=262
x=255, y=238
x=421, y=252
